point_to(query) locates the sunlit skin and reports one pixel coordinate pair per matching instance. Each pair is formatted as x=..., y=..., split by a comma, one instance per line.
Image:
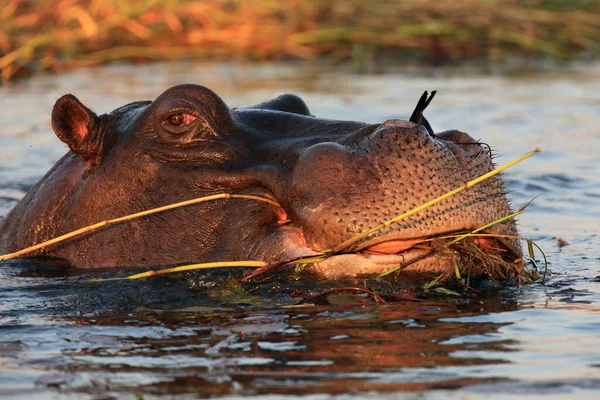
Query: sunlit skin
x=326, y=183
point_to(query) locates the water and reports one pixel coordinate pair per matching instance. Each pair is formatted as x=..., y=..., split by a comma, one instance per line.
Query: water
x=62, y=338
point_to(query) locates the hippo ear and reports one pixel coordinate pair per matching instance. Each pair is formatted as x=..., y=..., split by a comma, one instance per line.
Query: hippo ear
x=287, y=103
x=73, y=122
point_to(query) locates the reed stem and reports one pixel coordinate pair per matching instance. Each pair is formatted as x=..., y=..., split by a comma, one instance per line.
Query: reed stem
x=140, y=214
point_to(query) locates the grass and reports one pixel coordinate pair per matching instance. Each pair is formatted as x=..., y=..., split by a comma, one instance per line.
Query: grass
x=38, y=35
x=98, y=225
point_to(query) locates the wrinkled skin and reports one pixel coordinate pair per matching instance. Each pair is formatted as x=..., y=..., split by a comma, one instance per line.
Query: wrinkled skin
x=333, y=180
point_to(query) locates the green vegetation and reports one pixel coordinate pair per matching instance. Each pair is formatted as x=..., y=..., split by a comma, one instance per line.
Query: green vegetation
x=40, y=35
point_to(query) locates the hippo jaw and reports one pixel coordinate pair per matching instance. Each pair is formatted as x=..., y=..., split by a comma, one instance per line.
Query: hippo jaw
x=423, y=255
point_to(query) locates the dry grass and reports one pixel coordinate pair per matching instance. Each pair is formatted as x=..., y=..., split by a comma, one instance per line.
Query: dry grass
x=40, y=35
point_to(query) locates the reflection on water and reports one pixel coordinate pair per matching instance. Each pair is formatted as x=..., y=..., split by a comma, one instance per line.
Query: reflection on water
x=62, y=335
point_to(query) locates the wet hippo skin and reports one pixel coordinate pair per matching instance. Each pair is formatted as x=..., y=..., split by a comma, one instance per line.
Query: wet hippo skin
x=332, y=179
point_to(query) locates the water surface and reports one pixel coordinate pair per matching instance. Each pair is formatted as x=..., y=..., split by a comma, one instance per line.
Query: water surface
x=156, y=338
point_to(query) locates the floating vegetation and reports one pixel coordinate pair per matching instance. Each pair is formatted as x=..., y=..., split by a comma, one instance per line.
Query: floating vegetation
x=463, y=248
x=39, y=35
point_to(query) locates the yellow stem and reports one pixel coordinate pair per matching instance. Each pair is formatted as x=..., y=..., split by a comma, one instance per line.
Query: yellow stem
x=220, y=264
x=93, y=227
x=509, y=216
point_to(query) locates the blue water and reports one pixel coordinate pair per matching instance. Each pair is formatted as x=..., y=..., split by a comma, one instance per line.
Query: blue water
x=63, y=338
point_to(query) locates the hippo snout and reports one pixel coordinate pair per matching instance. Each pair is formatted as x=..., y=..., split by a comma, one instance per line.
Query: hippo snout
x=346, y=189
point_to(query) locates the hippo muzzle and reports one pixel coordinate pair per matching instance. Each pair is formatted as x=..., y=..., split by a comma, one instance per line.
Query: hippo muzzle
x=344, y=190
x=333, y=180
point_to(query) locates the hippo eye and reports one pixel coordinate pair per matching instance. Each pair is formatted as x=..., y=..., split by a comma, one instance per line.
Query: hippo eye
x=179, y=119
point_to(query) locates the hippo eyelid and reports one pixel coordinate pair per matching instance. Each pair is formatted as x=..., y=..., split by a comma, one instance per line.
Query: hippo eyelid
x=189, y=118
x=195, y=125
x=179, y=110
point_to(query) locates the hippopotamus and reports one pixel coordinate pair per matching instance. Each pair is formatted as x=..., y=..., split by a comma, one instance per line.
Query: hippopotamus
x=328, y=180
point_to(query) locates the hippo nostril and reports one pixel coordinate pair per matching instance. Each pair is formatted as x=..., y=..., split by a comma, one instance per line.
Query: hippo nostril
x=465, y=141
x=486, y=146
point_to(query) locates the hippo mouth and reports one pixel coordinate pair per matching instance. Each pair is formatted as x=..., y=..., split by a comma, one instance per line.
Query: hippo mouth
x=394, y=243
x=436, y=253
x=433, y=254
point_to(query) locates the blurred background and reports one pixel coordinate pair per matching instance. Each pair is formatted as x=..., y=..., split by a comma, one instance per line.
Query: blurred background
x=38, y=35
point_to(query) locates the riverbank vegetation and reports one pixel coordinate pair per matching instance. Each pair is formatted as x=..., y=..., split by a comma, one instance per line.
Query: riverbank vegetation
x=37, y=35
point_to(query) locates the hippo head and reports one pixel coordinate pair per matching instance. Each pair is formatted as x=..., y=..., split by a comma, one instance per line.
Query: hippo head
x=332, y=180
